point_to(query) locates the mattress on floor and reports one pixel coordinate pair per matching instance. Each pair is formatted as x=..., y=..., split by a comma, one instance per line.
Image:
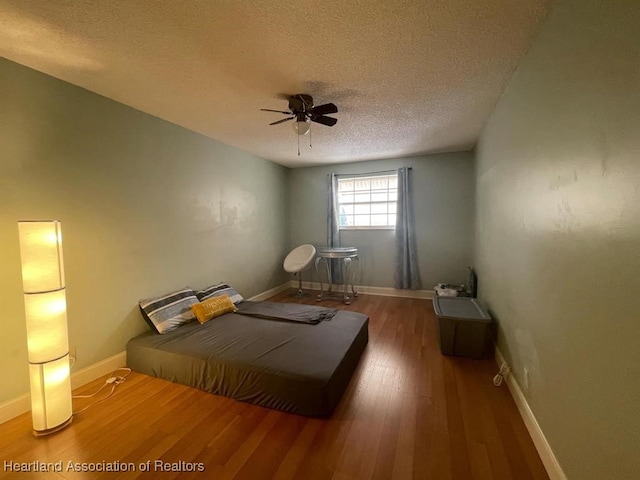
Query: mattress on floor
x=294, y=367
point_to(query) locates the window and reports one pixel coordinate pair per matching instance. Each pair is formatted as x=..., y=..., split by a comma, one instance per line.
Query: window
x=367, y=202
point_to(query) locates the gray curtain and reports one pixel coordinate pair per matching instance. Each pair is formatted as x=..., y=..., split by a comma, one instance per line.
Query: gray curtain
x=406, y=274
x=333, y=226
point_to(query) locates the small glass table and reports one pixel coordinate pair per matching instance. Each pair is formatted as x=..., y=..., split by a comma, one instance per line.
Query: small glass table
x=349, y=262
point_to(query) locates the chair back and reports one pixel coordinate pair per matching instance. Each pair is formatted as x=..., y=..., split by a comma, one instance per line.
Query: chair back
x=299, y=258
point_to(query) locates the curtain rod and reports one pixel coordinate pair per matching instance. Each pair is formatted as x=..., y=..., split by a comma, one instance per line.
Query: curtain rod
x=368, y=174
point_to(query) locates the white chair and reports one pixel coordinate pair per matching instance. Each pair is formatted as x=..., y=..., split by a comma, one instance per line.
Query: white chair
x=299, y=259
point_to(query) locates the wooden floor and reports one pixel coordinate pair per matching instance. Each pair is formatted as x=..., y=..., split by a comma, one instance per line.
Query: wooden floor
x=409, y=413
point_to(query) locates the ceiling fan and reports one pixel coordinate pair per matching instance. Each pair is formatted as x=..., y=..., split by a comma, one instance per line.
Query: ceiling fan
x=302, y=110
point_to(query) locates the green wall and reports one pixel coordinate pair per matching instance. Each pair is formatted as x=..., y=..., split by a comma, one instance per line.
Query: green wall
x=558, y=233
x=443, y=195
x=146, y=207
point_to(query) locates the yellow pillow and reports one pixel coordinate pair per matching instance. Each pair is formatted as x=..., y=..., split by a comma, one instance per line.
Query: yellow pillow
x=213, y=307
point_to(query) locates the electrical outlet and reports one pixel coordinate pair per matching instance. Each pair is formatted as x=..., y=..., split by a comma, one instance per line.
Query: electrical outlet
x=72, y=354
x=525, y=378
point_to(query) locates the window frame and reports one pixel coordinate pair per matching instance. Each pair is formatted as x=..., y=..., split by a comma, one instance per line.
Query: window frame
x=345, y=178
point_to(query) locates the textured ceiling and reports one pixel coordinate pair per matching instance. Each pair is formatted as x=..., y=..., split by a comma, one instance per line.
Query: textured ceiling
x=409, y=77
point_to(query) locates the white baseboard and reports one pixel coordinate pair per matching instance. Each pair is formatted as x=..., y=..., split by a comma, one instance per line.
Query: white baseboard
x=547, y=456
x=103, y=367
x=383, y=291
x=12, y=408
x=22, y=404
x=270, y=293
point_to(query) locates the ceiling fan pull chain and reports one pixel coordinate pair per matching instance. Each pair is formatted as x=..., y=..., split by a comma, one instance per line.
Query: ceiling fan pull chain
x=298, y=144
x=310, y=137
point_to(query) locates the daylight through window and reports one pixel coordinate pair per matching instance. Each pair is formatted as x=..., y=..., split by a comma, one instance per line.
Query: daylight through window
x=367, y=202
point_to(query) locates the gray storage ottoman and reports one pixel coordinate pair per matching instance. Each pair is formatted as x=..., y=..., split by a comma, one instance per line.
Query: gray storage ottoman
x=464, y=327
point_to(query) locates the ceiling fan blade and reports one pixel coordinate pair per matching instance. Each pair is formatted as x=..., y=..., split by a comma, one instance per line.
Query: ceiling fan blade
x=277, y=111
x=324, y=109
x=307, y=101
x=328, y=121
x=282, y=121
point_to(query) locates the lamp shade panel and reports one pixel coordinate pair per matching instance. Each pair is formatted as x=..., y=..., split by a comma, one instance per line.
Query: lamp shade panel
x=41, y=254
x=46, y=318
x=51, y=403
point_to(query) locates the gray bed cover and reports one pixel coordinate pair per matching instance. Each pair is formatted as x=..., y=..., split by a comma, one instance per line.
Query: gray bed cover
x=288, y=312
x=290, y=366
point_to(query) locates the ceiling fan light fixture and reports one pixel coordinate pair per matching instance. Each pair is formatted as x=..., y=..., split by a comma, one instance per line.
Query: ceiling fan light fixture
x=302, y=126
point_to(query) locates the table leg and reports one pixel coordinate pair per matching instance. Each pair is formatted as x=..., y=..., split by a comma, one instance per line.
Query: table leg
x=353, y=275
x=318, y=259
x=346, y=271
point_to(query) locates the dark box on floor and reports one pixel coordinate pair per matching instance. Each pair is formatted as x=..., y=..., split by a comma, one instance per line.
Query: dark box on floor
x=464, y=327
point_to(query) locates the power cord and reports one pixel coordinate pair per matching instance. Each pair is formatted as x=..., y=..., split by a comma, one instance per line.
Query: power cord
x=113, y=380
x=504, y=371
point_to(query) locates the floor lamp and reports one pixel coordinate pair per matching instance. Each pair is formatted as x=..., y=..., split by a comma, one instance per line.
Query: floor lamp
x=46, y=317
